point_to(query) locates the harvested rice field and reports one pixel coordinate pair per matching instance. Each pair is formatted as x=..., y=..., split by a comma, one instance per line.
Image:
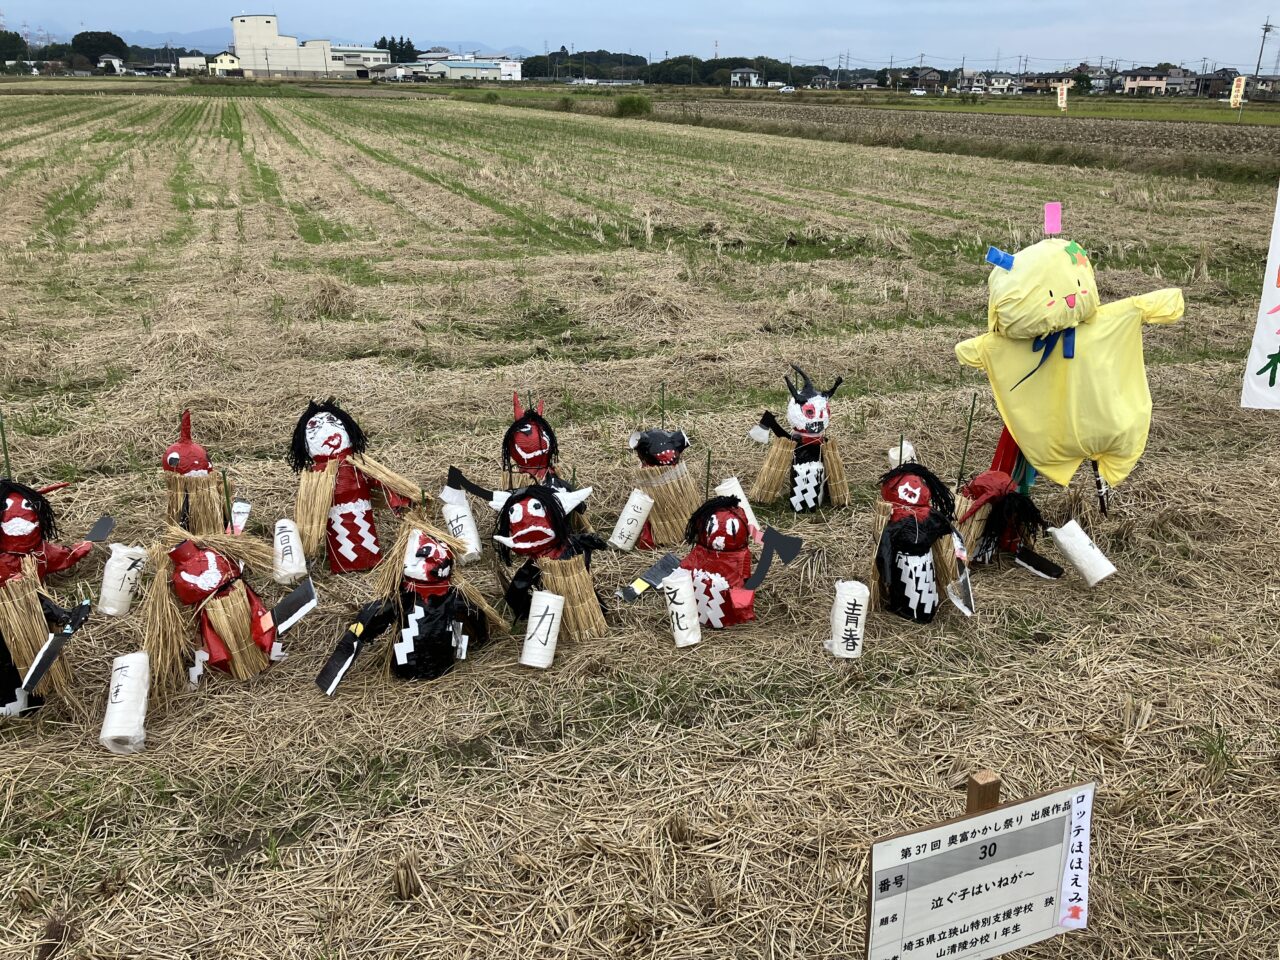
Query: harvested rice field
x=422, y=260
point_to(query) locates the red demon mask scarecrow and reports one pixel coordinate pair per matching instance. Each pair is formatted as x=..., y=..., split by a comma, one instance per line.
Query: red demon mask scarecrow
x=917, y=516
x=440, y=619
x=720, y=562
x=994, y=518
x=27, y=527
x=802, y=457
x=336, y=483
x=196, y=497
x=529, y=446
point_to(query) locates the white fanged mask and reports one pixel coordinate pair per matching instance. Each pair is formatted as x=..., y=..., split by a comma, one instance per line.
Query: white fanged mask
x=326, y=436
x=810, y=417
x=909, y=492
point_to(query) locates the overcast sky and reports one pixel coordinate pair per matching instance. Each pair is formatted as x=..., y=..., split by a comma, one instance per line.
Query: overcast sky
x=1051, y=32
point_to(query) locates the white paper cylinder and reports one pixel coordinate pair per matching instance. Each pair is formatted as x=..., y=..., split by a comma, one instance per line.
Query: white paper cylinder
x=1082, y=552
x=239, y=516
x=682, y=607
x=120, y=579
x=901, y=453
x=626, y=532
x=461, y=524
x=546, y=610
x=124, y=726
x=732, y=487
x=848, y=619
x=289, y=564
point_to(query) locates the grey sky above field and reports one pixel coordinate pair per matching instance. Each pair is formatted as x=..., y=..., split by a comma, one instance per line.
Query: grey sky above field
x=1050, y=32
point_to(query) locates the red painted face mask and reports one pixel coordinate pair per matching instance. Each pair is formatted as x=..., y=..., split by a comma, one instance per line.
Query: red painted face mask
x=532, y=531
x=907, y=492
x=428, y=564
x=19, y=525
x=726, y=529
x=186, y=457
x=198, y=573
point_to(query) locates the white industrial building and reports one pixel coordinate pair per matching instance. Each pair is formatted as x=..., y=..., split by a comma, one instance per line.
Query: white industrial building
x=456, y=66
x=263, y=51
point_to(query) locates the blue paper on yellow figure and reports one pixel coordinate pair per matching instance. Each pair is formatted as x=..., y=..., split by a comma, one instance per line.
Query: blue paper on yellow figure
x=1066, y=371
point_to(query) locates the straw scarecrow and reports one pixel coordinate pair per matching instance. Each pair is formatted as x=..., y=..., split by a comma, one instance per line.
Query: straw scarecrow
x=802, y=459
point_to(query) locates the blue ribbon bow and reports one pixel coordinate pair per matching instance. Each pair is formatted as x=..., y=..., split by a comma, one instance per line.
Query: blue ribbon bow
x=1045, y=346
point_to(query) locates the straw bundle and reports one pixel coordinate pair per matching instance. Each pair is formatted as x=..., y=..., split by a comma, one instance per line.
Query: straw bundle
x=675, y=498
x=570, y=578
x=231, y=617
x=245, y=550
x=168, y=630
x=204, y=500
x=25, y=630
x=315, y=499
x=775, y=472
x=389, y=479
x=971, y=528
x=837, y=481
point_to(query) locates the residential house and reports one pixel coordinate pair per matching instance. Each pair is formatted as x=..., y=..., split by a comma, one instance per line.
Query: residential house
x=924, y=78
x=1003, y=83
x=822, y=81
x=970, y=81
x=1218, y=83
x=745, y=77
x=1046, y=82
x=1145, y=81
x=225, y=64
x=110, y=63
x=1180, y=81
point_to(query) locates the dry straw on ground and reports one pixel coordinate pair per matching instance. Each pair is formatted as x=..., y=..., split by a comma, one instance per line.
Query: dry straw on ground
x=634, y=800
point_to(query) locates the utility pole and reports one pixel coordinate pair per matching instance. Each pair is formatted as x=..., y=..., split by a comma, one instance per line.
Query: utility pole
x=997, y=59
x=1266, y=28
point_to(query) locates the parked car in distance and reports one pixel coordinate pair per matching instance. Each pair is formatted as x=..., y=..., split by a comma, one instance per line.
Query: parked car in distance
x=787, y=89
x=918, y=92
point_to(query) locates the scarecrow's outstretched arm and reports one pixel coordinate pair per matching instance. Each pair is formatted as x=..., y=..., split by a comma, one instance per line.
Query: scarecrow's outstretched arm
x=768, y=425
x=372, y=620
x=456, y=481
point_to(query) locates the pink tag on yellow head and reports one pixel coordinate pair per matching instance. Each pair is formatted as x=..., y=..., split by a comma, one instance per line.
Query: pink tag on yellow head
x=1052, y=218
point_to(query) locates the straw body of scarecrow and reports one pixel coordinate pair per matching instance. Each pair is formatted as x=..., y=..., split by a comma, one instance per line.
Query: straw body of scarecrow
x=665, y=477
x=720, y=562
x=803, y=460
x=1066, y=370
x=336, y=483
x=915, y=556
x=28, y=555
x=440, y=617
x=196, y=498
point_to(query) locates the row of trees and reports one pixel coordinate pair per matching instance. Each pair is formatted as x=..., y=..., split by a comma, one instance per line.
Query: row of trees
x=401, y=49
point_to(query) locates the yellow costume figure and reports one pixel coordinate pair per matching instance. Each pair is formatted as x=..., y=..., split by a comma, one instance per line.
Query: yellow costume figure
x=1067, y=373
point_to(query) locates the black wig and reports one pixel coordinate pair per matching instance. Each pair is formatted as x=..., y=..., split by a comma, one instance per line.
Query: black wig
x=508, y=438
x=557, y=519
x=39, y=503
x=942, y=499
x=700, y=516
x=1016, y=513
x=299, y=457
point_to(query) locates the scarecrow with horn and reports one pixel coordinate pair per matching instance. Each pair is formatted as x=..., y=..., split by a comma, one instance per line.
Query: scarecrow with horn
x=1066, y=370
x=336, y=481
x=197, y=498
x=441, y=617
x=533, y=524
x=803, y=459
x=665, y=477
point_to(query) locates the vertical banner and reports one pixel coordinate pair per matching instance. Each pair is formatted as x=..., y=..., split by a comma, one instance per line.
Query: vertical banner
x=1062, y=97
x=1262, y=375
x=1237, y=92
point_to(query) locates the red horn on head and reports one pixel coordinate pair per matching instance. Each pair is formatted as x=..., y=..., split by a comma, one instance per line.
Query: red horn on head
x=185, y=429
x=539, y=408
x=515, y=404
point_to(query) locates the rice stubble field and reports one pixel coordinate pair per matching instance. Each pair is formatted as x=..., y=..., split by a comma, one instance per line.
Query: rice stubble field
x=420, y=261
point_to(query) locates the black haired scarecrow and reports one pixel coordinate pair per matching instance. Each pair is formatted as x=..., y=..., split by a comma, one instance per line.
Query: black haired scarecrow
x=720, y=562
x=915, y=555
x=803, y=458
x=27, y=557
x=534, y=523
x=663, y=476
x=441, y=617
x=993, y=517
x=529, y=454
x=335, y=485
